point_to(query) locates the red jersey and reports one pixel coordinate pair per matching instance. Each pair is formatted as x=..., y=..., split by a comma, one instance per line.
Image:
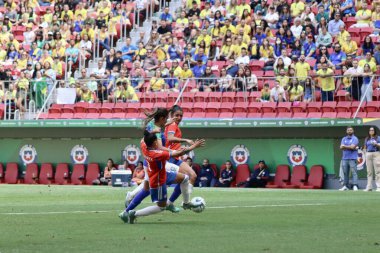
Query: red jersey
x=173, y=129
x=156, y=160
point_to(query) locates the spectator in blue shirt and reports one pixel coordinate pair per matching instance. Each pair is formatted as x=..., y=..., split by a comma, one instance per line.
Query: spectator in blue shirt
x=128, y=51
x=226, y=176
x=200, y=56
x=309, y=48
x=260, y=36
x=368, y=45
x=166, y=16
x=199, y=69
x=206, y=175
x=338, y=57
x=174, y=50
x=333, y=26
x=259, y=177
x=349, y=147
x=172, y=81
x=348, y=8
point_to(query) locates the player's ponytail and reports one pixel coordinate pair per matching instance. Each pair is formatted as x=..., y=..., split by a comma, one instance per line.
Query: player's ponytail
x=156, y=114
x=149, y=138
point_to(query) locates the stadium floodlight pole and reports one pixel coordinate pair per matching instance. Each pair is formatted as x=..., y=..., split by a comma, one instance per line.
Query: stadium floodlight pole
x=363, y=96
x=32, y=107
x=98, y=44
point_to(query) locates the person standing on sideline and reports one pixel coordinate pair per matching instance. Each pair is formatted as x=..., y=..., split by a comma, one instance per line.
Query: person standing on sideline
x=349, y=146
x=372, y=156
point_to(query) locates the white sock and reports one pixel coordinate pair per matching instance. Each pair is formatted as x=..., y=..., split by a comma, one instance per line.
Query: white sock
x=148, y=211
x=169, y=203
x=137, y=190
x=185, y=189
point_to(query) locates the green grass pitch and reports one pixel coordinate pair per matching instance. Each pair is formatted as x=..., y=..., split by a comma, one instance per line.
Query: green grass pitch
x=71, y=219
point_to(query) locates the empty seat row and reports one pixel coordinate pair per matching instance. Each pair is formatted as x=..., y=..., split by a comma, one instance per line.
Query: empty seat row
x=47, y=175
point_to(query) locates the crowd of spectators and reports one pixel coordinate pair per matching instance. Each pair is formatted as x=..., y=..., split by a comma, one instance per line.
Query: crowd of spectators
x=301, y=45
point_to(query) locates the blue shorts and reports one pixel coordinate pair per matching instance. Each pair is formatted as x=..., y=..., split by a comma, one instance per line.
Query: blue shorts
x=170, y=177
x=145, y=163
x=175, y=161
x=159, y=194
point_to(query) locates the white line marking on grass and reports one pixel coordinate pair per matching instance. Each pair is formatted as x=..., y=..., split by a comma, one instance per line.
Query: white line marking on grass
x=211, y=207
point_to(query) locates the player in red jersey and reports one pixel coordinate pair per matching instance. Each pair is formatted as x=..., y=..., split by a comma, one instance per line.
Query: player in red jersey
x=156, y=160
x=174, y=139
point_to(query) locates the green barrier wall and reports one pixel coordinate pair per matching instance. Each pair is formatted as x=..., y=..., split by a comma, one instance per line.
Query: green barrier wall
x=273, y=151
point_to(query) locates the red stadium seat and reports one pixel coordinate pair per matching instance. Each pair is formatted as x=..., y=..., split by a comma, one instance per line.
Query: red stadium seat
x=281, y=177
x=79, y=115
x=11, y=173
x=268, y=107
x=132, y=107
x=240, y=107
x=298, y=177
x=226, y=107
x=132, y=115
x=341, y=95
x=187, y=107
x=284, y=106
x=374, y=115
x=196, y=168
x=315, y=115
x=81, y=107
x=241, y=96
x=46, y=173
x=161, y=96
x=188, y=97
x=242, y=173
x=254, y=95
x=77, y=177
x=199, y=107
x=240, y=115
x=344, y=115
x=254, y=107
x=314, y=106
x=107, y=107
x=300, y=115
x=201, y=96
x=299, y=107
x=372, y=106
x=355, y=104
x=343, y=106
x=198, y=115
x=360, y=115
x=228, y=96
x=67, y=109
x=254, y=115
x=315, y=179
x=213, y=107
x=146, y=107
x=269, y=115
x=62, y=174
x=119, y=108
x=329, y=115
x=92, y=173
x=215, y=97
x=328, y=106
x=214, y=167
x=285, y=115
x=226, y=115
x=66, y=115
x=213, y=115
x=376, y=95
x=31, y=174
x=92, y=115
x=105, y=115
x=94, y=108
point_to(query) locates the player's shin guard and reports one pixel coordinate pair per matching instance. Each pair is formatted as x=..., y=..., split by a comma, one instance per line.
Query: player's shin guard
x=149, y=211
x=137, y=199
x=175, y=194
x=185, y=189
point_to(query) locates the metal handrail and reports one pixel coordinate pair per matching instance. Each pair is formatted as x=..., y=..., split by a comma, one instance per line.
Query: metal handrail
x=44, y=106
x=363, y=97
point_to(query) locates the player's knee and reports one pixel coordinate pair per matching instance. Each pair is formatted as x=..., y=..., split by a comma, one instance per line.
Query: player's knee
x=185, y=180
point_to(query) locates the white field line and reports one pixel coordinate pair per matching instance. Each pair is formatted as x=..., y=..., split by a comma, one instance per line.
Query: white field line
x=211, y=207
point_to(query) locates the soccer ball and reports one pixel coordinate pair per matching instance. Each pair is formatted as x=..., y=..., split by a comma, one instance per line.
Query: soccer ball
x=200, y=203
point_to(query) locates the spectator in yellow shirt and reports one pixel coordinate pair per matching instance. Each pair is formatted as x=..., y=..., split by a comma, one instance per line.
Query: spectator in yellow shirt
x=266, y=50
x=326, y=82
x=228, y=26
x=157, y=83
x=67, y=11
x=350, y=47
x=302, y=69
x=368, y=60
x=295, y=91
x=186, y=72
x=297, y=8
x=363, y=16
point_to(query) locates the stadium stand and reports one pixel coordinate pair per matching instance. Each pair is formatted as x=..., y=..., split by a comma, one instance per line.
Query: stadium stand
x=102, y=51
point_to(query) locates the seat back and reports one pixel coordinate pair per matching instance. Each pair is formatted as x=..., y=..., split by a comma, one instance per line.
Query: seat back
x=78, y=174
x=282, y=173
x=46, y=173
x=61, y=173
x=214, y=168
x=11, y=173
x=298, y=175
x=92, y=173
x=316, y=176
x=31, y=173
x=196, y=168
x=242, y=173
